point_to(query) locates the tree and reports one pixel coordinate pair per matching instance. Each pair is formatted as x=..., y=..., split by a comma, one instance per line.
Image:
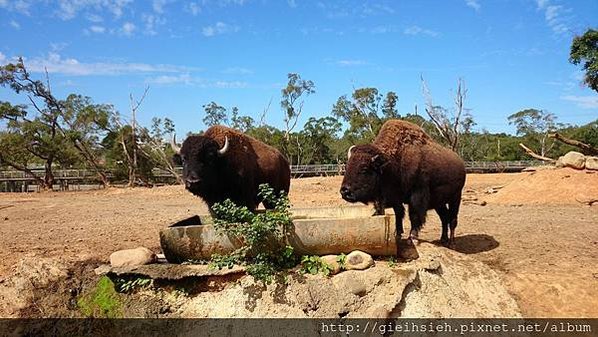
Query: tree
x=449, y=126
x=535, y=125
x=291, y=102
x=54, y=117
x=362, y=113
x=318, y=136
x=584, y=50
x=389, y=106
x=242, y=123
x=215, y=114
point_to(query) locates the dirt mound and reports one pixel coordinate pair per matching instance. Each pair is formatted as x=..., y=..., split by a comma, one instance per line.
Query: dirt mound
x=557, y=186
x=441, y=283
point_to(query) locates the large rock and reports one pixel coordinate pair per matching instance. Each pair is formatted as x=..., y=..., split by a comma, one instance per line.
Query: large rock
x=358, y=260
x=575, y=160
x=132, y=257
x=592, y=163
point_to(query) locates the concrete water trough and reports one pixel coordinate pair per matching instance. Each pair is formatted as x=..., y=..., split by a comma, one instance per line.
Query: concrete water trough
x=315, y=231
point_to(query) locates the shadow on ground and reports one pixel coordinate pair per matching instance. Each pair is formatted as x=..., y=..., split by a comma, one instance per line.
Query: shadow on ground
x=473, y=243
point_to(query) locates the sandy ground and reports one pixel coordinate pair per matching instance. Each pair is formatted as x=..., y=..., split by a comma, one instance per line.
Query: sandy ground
x=545, y=248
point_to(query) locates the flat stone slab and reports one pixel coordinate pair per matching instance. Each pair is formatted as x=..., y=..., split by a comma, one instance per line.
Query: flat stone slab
x=169, y=271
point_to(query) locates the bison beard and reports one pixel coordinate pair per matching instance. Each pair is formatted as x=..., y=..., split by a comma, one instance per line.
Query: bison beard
x=225, y=164
x=405, y=166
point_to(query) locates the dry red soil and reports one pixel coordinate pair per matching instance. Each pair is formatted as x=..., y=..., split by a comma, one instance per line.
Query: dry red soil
x=534, y=231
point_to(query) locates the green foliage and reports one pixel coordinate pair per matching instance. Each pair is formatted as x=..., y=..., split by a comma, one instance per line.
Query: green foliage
x=264, y=251
x=130, y=285
x=342, y=260
x=392, y=262
x=584, y=50
x=215, y=114
x=313, y=264
x=101, y=302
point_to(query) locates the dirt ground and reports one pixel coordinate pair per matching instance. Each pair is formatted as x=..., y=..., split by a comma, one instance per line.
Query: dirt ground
x=535, y=230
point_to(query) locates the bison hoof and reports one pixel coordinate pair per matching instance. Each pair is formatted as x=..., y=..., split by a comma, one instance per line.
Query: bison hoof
x=445, y=241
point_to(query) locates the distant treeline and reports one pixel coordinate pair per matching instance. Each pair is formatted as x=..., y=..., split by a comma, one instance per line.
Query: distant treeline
x=75, y=132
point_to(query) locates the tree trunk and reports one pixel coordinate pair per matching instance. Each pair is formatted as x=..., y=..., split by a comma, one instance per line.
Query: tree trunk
x=22, y=168
x=588, y=149
x=49, y=175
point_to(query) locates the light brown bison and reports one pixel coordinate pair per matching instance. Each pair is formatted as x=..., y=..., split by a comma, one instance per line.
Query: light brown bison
x=405, y=166
x=224, y=163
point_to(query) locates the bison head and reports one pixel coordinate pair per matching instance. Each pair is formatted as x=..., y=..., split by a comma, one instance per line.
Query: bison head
x=362, y=175
x=200, y=157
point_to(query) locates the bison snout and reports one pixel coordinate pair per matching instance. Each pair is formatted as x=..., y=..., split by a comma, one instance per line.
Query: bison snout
x=346, y=193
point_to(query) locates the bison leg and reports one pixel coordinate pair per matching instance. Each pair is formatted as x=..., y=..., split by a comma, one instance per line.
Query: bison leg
x=378, y=208
x=418, y=205
x=399, y=215
x=453, y=210
x=445, y=218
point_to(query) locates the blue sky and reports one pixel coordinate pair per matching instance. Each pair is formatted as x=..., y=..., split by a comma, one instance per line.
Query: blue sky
x=511, y=54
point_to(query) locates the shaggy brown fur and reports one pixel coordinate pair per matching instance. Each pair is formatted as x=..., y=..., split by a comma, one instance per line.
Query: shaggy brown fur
x=237, y=174
x=406, y=166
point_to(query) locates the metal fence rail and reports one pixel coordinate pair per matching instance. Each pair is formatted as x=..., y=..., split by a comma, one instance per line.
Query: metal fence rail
x=296, y=170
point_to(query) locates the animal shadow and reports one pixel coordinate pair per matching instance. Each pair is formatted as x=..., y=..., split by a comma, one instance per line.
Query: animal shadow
x=473, y=243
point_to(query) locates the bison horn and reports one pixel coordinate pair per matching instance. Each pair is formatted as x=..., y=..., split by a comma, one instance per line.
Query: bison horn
x=224, y=148
x=175, y=147
x=349, y=152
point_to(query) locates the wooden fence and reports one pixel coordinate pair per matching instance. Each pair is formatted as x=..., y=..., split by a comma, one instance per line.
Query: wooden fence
x=68, y=179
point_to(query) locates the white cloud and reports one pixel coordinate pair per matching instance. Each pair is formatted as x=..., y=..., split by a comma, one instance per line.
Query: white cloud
x=15, y=25
x=128, y=28
x=151, y=22
x=555, y=16
x=473, y=4
x=237, y=71
x=2, y=58
x=229, y=84
x=97, y=29
x=187, y=79
x=218, y=28
x=193, y=8
x=20, y=6
x=383, y=29
x=350, y=63
x=95, y=18
x=56, y=64
x=158, y=5
x=69, y=9
x=584, y=102
x=416, y=30
x=171, y=79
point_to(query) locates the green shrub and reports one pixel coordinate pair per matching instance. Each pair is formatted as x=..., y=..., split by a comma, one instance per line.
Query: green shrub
x=264, y=251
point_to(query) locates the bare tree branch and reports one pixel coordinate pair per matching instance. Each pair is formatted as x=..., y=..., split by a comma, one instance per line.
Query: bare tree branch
x=589, y=149
x=535, y=155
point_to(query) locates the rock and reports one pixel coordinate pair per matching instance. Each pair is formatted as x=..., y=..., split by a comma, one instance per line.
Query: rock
x=592, y=163
x=350, y=282
x=358, y=260
x=102, y=270
x=574, y=160
x=132, y=257
x=331, y=260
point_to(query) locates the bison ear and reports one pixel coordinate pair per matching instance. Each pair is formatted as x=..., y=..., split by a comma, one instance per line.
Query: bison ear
x=378, y=162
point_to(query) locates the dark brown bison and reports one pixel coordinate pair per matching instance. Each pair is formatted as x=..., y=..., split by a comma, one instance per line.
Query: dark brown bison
x=405, y=166
x=225, y=163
